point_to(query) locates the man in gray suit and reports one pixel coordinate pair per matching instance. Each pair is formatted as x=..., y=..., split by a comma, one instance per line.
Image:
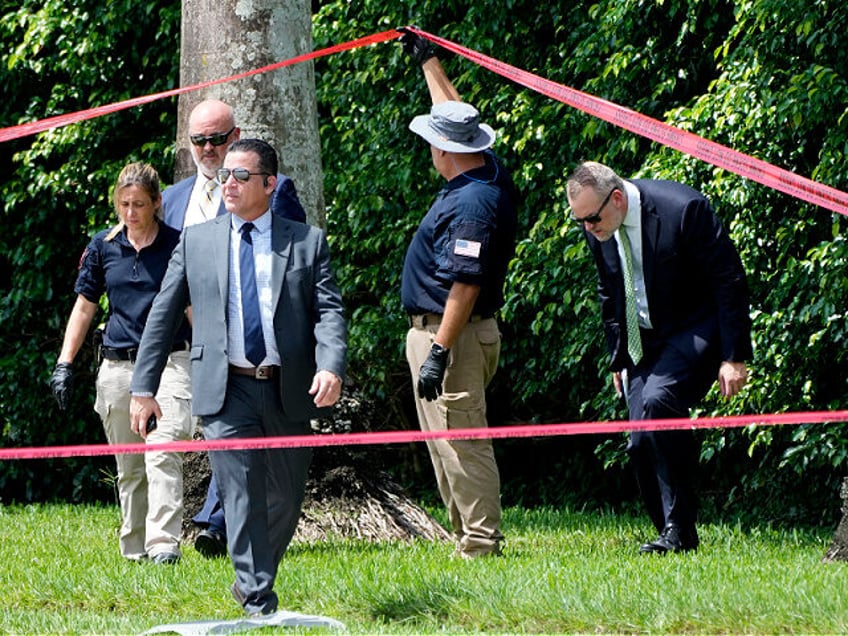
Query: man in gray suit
x=268, y=350
x=199, y=198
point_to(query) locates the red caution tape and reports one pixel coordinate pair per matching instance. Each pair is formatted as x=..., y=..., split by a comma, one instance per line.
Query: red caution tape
x=686, y=142
x=721, y=156
x=22, y=130
x=403, y=437
x=665, y=134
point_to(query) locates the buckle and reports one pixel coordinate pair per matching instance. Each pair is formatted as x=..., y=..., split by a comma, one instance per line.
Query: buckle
x=264, y=373
x=419, y=321
x=110, y=353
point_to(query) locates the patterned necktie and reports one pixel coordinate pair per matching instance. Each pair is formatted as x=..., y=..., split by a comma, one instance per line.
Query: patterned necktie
x=634, y=339
x=207, y=198
x=254, y=341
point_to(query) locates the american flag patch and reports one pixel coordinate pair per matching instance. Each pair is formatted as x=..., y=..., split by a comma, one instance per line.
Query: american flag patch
x=467, y=248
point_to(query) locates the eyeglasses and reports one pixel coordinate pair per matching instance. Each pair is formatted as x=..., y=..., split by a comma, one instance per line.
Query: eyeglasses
x=240, y=174
x=218, y=139
x=594, y=219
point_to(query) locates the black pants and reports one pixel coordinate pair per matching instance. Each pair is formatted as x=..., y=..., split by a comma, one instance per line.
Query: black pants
x=666, y=384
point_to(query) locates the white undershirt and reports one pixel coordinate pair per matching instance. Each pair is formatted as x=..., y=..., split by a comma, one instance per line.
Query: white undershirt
x=194, y=211
x=261, y=236
x=632, y=224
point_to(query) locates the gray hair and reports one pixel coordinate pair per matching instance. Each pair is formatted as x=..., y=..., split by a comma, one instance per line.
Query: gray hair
x=594, y=175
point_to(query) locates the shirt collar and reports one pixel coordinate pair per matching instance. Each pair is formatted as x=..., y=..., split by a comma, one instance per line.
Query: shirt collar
x=261, y=223
x=633, y=218
x=123, y=239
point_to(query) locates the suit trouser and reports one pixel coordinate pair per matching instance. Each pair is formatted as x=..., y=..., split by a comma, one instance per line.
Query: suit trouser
x=666, y=385
x=211, y=515
x=150, y=485
x=466, y=471
x=261, y=490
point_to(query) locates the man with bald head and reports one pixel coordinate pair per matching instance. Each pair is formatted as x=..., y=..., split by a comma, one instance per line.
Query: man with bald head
x=211, y=129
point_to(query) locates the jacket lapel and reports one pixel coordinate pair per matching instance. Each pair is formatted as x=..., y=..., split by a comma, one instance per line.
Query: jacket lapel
x=181, y=206
x=221, y=255
x=650, y=236
x=281, y=240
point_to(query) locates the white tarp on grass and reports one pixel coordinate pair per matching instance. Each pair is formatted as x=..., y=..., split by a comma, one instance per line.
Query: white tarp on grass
x=277, y=619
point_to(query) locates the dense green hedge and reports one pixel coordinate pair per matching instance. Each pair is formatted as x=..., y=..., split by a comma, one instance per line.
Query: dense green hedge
x=59, y=57
x=766, y=77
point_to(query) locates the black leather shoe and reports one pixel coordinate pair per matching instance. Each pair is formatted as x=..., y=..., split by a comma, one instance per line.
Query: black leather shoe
x=211, y=543
x=165, y=558
x=241, y=600
x=672, y=539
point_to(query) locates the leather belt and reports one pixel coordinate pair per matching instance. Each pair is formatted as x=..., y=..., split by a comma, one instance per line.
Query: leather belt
x=110, y=353
x=419, y=321
x=258, y=373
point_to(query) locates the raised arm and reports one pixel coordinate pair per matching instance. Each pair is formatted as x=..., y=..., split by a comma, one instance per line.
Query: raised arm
x=423, y=53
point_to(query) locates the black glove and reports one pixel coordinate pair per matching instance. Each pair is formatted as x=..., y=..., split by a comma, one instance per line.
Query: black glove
x=416, y=47
x=432, y=373
x=62, y=383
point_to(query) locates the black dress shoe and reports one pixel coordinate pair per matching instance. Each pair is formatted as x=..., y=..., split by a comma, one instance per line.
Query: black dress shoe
x=165, y=558
x=268, y=609
x=211, y=543
x=672, y=539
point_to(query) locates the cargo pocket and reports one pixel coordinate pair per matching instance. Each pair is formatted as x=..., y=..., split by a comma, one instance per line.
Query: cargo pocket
x=462, y=412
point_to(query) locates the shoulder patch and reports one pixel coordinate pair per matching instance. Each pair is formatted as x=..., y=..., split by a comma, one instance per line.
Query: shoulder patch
x=467, y=248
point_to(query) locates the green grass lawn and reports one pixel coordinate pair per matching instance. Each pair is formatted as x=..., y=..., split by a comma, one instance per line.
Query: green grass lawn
x=562, y=572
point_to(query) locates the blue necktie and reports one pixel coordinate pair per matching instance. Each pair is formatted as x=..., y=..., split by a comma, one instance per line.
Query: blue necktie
x=254, y=341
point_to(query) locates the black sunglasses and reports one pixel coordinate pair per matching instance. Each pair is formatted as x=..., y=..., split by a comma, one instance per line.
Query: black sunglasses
x=218, y=139
x=240, y=174
x=595, y=218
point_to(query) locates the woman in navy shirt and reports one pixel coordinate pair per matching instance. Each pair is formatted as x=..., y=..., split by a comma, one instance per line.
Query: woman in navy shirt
x=128, y=263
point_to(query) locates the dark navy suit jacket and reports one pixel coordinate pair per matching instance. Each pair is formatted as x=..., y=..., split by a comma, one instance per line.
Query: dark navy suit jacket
x=175, y=200
x=694, y=279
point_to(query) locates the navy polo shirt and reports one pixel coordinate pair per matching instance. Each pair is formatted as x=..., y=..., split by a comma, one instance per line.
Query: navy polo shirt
x=130, y=280
x=467, y=236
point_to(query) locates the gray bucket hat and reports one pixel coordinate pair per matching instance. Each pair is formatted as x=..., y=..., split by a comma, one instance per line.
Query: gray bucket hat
x=454, y=127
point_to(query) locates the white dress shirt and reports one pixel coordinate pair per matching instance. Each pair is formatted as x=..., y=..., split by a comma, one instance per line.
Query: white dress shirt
x=261, y=235
x=195, y=212
x=633, y=226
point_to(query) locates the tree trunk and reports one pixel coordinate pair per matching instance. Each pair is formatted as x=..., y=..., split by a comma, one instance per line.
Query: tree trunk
x=838, y=550
x=221, y=38
x=347, y=495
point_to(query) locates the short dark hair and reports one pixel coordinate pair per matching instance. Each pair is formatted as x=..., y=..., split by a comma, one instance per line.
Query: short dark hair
x=267, y=155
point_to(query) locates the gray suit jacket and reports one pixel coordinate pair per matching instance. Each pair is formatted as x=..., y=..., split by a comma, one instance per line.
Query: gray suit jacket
x=309, y=324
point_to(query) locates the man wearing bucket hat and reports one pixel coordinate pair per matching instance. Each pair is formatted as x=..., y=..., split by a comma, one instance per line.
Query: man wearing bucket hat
x=452, y=287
